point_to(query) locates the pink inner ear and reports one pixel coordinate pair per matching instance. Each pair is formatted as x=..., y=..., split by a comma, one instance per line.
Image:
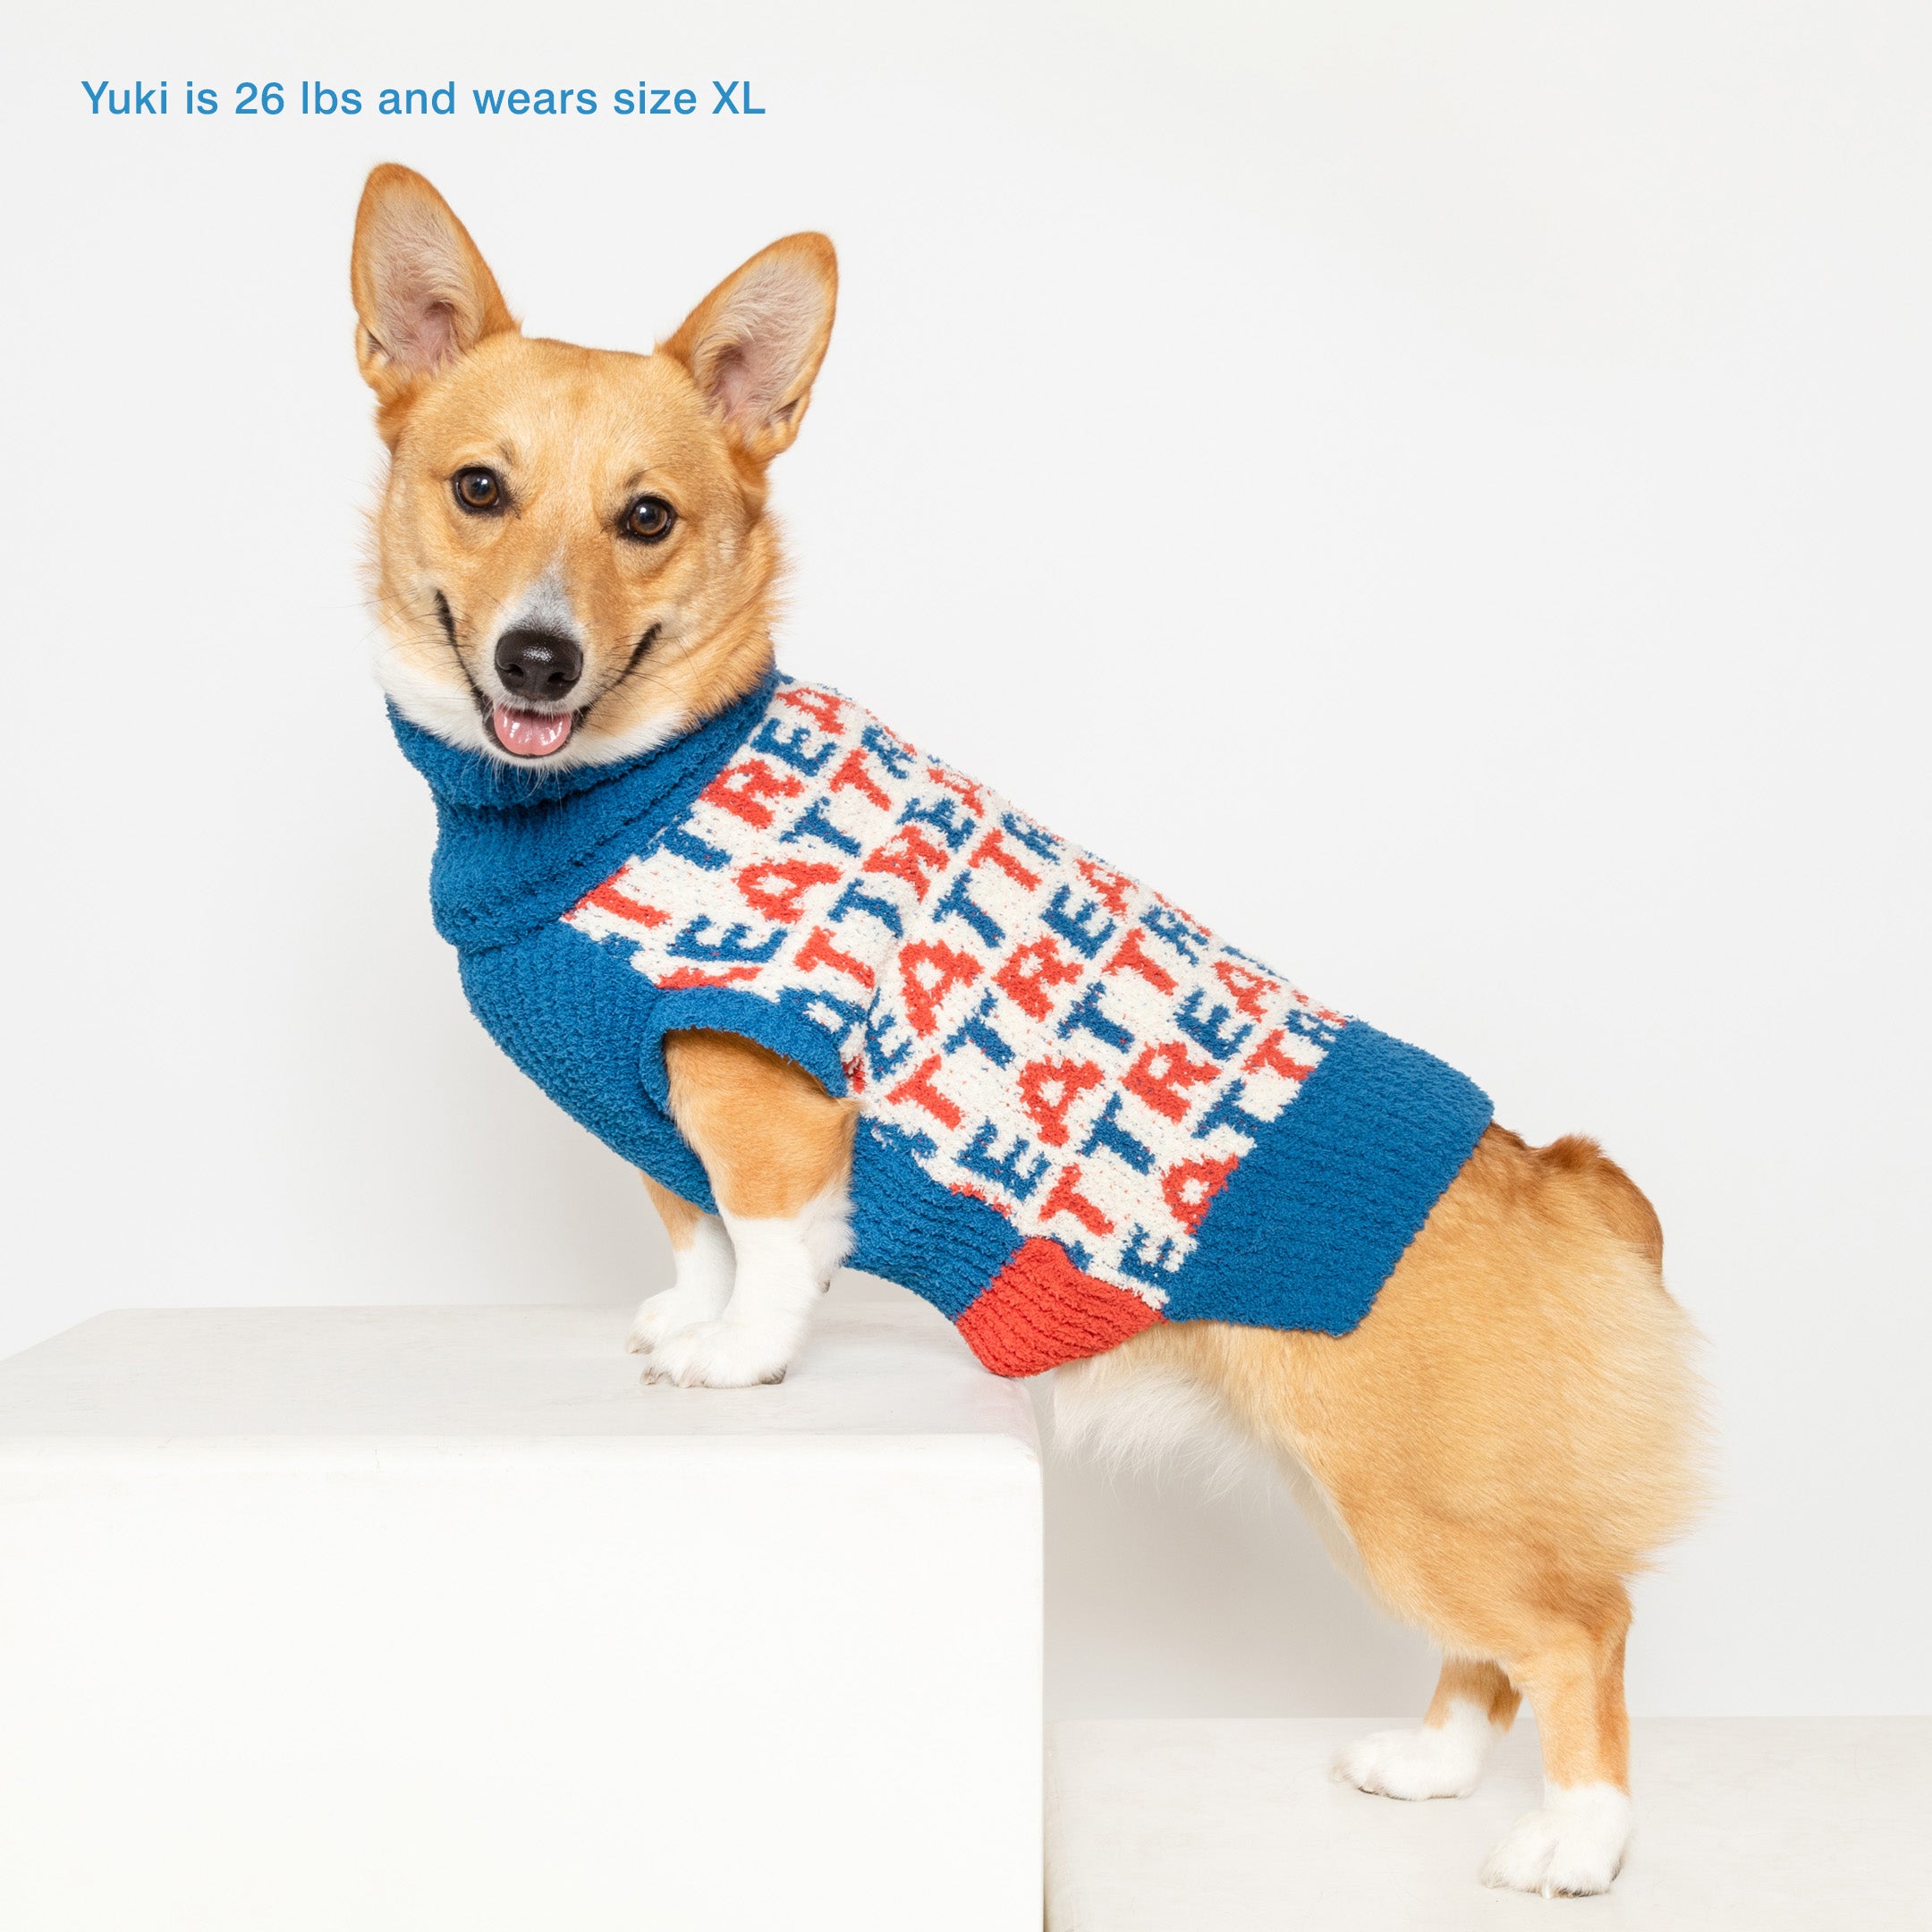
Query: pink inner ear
x=756, y=349
x=735, y=386
x=426, y=301
x=432, y=335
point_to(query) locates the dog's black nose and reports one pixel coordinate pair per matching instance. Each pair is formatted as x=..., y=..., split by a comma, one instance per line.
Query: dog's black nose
x=538, y=663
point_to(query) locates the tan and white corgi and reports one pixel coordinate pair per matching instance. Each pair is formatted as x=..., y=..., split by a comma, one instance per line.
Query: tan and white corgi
x=574, y=575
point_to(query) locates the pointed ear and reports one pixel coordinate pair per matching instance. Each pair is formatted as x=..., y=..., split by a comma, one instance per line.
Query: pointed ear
x=423, y=294
x=753, y=346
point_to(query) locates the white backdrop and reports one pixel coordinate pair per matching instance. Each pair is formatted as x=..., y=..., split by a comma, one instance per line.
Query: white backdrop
x=1441, y=490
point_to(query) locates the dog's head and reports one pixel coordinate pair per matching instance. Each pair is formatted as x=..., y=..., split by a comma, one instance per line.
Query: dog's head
x=572, y=561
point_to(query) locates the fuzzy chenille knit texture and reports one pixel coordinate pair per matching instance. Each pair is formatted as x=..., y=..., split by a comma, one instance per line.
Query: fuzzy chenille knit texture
x=1080, y=1111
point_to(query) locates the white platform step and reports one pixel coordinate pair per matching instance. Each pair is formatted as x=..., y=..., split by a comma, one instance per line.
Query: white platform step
x=436, y=1621
x=1744, y=1824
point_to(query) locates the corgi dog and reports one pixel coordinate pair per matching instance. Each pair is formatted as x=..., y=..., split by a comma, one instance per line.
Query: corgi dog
x=575, y=573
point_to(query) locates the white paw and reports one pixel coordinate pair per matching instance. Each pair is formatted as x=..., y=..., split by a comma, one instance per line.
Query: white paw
x=1572, y=1847
x=664, y=1314
x=1446, y=1763
x=722, y=1354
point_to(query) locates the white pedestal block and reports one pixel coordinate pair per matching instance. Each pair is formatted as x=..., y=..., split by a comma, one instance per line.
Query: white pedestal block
x=435, y=1620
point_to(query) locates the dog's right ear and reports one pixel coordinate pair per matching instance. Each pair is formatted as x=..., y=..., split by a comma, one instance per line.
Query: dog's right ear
x=423, y=294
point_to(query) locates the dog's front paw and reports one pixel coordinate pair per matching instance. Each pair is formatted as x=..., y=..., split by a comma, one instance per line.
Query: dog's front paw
x=1444, y=1763
x=661, y=1316
x=1572, y=1847
x=722, y=1354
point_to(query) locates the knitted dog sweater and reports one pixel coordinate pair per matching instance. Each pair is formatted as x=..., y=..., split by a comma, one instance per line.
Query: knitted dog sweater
x=1081, y=1113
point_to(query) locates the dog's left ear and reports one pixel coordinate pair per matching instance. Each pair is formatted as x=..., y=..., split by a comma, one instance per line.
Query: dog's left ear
x=753, y=346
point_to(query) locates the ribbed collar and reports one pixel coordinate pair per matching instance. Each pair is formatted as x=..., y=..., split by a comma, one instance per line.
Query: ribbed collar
x=517, y=848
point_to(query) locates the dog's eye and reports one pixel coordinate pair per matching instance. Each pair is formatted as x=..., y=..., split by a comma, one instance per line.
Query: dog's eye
x=478, y=489
x=649, y=520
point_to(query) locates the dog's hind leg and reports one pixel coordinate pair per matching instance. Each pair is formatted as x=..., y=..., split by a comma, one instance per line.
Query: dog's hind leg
x=701, y=1251
x=1474, y=1705
x=1574, y=1844
x=1505, y=1438
x=777, y=1150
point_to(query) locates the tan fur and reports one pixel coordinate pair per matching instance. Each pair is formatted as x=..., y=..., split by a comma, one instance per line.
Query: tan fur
x=1484, y=1685
x=680, y=1218
x=1515, y=1428
x=1507, y=1436
x=770, y=1137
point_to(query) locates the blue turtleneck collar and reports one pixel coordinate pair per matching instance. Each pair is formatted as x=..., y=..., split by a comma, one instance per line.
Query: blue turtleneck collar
x=517, y=848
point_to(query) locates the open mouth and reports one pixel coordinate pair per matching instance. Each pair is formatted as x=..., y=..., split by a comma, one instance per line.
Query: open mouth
x=523, y=732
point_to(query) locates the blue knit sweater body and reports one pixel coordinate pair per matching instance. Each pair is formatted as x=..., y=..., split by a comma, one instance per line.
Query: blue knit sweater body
x=1081, y=1112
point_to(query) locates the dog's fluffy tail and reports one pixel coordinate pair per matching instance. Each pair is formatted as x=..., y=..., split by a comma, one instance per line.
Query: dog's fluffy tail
x=1624, y=1206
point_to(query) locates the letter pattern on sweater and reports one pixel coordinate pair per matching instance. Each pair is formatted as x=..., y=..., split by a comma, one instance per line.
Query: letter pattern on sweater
x=1036, y=1028
x=1081, y=1112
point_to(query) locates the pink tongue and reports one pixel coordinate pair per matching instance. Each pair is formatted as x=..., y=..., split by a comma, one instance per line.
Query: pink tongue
x=531, y=734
